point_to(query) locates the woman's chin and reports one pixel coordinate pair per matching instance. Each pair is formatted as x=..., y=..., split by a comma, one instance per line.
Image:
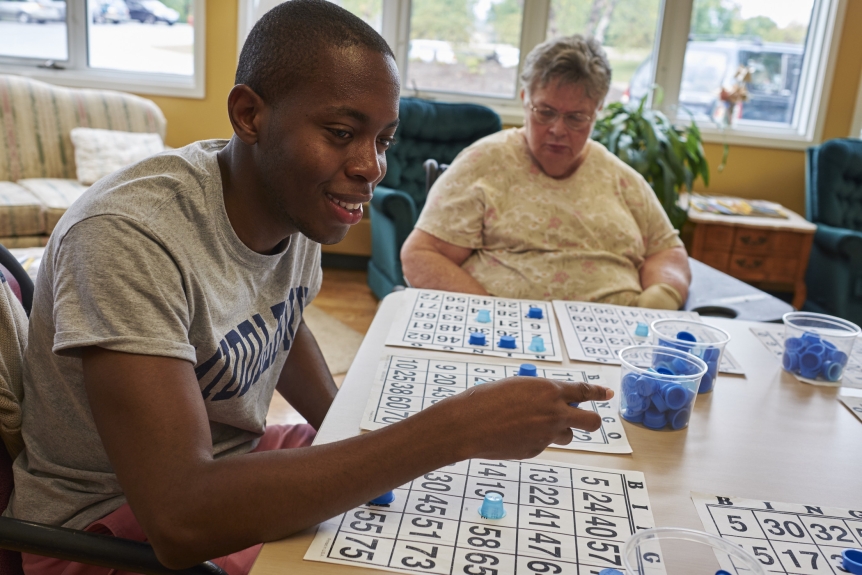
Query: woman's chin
x=557, y=168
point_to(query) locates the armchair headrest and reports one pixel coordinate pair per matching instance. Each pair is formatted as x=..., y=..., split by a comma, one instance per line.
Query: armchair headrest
x=435, y=130
x=835, y=183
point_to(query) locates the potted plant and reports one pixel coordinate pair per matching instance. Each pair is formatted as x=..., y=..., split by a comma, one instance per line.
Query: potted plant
x=668, y=157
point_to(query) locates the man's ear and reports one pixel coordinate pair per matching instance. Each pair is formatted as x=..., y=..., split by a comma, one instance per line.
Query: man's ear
x=523, y=94
x=245, y=110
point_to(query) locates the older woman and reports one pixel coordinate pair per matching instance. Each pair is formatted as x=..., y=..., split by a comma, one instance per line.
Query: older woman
x=542, y=211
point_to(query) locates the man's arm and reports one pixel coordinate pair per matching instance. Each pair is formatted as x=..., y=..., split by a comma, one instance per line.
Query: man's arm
x=151, y=417
x=305, y=381
x=429, y=262
x=669, y=267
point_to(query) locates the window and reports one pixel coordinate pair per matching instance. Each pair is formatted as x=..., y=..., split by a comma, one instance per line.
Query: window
x=626, y=29
x=464, y=46
x=473, y=50
x=148, y=46
x=33, y=30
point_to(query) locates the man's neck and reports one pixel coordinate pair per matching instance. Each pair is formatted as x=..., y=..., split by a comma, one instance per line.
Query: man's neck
x=249, y=217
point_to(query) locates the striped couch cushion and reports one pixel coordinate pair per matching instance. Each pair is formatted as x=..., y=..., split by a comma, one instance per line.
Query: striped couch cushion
x=36, y=119
x=55, y=195
x=20, y=212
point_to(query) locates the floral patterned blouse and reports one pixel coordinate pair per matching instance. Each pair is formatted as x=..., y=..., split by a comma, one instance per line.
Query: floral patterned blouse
x=580, y=238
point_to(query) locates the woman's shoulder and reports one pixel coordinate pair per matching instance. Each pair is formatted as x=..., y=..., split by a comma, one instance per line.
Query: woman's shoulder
x=612, y=166
x=495, y=147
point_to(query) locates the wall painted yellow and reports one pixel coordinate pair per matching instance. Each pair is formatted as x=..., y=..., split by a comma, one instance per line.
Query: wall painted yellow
x=772, y=174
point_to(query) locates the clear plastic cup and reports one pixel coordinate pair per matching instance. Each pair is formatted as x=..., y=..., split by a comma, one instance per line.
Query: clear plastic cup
x=678, y=551
x=697, y=338
x=658, y=386
x=817, y=346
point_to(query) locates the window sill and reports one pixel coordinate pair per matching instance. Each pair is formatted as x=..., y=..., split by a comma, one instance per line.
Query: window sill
x=757, y=137
x=135, y=82
x=510, y=110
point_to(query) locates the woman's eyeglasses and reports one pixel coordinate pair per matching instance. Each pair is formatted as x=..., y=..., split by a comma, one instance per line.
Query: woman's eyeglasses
x=573, y=121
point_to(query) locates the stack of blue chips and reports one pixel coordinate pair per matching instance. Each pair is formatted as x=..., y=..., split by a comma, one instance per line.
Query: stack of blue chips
x=811, y=356
x=656, y=403
x=710, y=356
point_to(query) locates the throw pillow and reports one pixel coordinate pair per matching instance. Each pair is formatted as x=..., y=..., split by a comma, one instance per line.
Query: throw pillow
x=102, y=152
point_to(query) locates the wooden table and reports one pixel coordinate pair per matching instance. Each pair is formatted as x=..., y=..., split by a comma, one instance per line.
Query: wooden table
x=756, y=250
x=763, y=436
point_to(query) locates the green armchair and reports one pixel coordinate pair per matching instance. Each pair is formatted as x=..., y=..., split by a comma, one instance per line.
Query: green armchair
x=427, y=130
x=833, y=201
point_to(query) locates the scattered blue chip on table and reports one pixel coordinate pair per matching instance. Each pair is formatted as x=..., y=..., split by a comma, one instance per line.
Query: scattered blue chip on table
x=535, y=313
x=384, y=499
x=528, y=369
x=492, y=506
x=537, y=344
x=477, y=338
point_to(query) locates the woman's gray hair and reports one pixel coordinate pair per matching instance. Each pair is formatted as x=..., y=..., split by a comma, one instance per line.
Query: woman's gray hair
x=570, y=59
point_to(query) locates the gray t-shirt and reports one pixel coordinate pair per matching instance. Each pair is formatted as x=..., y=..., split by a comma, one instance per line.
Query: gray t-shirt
x=147, y=262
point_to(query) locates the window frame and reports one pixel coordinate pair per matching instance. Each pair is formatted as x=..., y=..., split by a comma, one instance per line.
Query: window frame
x=671, y=40
x=856, y=124
x=77, y=73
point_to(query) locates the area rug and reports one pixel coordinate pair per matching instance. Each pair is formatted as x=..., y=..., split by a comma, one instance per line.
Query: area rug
x=338, y=342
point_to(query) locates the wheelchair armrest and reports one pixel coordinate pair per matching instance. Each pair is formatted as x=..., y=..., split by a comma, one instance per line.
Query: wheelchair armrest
x=90, y=548
x=839, y=241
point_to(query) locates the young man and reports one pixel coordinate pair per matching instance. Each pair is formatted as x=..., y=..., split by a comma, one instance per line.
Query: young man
x=172, y=292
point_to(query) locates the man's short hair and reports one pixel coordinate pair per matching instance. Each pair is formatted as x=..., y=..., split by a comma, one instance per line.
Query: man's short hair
x=284, y=49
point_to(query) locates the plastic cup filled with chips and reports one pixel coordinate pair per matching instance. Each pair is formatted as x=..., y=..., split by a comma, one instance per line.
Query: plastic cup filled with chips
x=659, y=385
x=697, y=338
x=817, y=346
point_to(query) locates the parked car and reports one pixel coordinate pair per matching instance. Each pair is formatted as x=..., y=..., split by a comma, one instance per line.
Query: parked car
x=113, y=11
x=26, y=11
x=151, y=11
x=711, y=65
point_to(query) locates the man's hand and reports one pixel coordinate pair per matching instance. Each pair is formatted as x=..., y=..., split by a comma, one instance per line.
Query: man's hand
x=431, y=263
x=518, y=417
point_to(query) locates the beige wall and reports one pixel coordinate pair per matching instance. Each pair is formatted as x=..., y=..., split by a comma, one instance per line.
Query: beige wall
x=777, y=175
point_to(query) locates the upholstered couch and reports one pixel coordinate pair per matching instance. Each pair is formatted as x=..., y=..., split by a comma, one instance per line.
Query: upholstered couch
x=38, y=179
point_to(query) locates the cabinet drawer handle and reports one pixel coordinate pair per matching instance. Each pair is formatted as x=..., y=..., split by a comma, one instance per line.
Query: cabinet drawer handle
x=752, y=266
x=757, y=241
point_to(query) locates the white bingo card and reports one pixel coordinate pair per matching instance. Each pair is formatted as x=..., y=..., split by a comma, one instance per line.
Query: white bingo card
x=785, y=537
x=597, y=332
x=406, y=385
x=430, y=319
x=560, y=518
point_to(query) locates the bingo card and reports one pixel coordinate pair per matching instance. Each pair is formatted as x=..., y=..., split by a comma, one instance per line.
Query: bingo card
x=406, y=385
x=597, y=332
x=853, y=403
x=446, y=321
x=784, y=537
x=560, y=518
x=772, y=336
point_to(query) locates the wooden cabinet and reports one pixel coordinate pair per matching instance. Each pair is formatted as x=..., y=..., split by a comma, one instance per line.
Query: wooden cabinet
x=755, y=250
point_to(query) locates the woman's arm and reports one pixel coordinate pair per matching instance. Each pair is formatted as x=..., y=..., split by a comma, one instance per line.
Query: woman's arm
x=668, y=267
x=429, y=262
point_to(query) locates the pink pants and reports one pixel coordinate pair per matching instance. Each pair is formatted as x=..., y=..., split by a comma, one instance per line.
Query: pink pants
x=122, y=522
